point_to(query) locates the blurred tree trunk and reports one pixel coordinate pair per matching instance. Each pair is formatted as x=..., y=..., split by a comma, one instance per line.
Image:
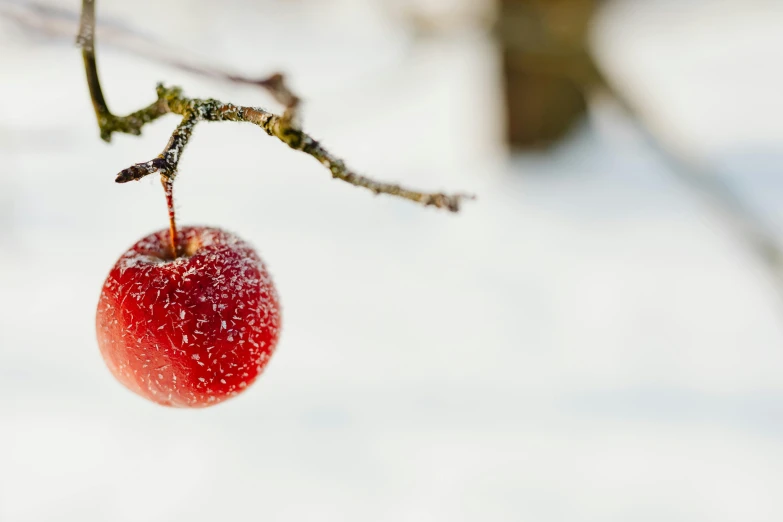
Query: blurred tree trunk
x=548, y=69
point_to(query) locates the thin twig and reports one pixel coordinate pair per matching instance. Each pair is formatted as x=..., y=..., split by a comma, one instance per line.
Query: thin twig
x=107, y=122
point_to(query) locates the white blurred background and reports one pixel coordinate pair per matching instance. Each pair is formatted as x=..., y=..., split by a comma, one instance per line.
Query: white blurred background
x=592, y=340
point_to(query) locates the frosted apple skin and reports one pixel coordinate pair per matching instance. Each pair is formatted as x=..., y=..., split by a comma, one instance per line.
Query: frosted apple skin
x=190, y=332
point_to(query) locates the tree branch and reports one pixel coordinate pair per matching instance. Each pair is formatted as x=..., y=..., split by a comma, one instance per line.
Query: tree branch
x=287, y=128
x=194, y=110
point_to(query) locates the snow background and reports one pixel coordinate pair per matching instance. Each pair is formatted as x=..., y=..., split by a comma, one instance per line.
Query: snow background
x=587, y=341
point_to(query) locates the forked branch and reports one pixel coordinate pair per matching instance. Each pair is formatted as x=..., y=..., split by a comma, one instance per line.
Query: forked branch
x=287, y=128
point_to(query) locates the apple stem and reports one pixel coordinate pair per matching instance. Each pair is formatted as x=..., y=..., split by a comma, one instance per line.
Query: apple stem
x=168, y=189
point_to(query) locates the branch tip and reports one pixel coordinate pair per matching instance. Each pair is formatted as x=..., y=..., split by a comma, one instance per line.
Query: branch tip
x=140, y=170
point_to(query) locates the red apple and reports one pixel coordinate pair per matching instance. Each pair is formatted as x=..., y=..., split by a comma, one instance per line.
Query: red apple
x=191, y=331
